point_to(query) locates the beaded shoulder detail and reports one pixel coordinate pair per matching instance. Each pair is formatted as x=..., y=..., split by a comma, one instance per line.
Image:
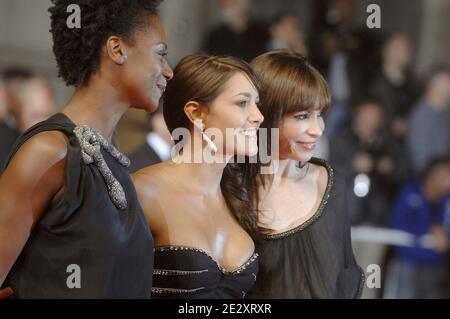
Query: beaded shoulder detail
x=319, y=211
x=174, y=272
x=239, y=270
x=159, y=290
x=91, y=143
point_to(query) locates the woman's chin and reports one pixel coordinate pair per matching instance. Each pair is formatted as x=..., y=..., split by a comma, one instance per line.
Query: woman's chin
x=251, y=154
x=247, y=153
x=152, y=107
x=251, y=151
x=149, y=107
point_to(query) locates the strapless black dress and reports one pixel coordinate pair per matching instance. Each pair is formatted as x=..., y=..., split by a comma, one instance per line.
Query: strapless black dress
x=182, y=272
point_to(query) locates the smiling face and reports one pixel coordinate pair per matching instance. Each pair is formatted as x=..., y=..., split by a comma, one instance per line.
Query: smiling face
x=236, y=108
x=294, y=95
x=299, y=133
x=146, y=72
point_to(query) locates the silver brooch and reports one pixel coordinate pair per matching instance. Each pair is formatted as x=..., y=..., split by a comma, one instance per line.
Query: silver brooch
x=91, y=143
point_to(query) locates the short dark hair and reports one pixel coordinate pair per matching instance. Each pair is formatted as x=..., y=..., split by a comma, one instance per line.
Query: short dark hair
x=433, y=165
x=289, y=84
x=77, y=51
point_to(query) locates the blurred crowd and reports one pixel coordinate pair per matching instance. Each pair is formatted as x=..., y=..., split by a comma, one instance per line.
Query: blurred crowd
x=25, y=99
x=387, y=132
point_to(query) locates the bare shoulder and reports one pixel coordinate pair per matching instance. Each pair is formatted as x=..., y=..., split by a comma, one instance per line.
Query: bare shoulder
x=153, y=185
x=149, y=181
x=152, y=191
x=34, y=176
x=320, y=172
x=151, y=171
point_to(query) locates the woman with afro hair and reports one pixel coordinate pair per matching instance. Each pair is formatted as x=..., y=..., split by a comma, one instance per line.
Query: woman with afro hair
x=70, y=222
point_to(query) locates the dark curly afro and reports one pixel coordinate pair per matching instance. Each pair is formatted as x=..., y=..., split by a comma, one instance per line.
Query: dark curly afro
x=77, y=51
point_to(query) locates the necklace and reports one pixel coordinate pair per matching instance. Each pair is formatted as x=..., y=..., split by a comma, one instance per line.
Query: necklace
x=302, y=167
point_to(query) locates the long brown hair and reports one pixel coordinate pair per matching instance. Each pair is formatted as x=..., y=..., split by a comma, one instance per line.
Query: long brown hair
x=289, y=84
x=201, y=78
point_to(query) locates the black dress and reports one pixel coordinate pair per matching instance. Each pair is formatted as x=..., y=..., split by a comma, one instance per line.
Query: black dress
x=111, y=248
x=8, y=136
x=315, y=259
x=190, y=273
x=144, y=156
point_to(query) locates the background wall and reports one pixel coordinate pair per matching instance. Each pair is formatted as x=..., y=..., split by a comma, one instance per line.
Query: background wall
x=25, y=40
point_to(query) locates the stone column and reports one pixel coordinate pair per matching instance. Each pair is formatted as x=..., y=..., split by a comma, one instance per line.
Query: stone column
x=434, y=38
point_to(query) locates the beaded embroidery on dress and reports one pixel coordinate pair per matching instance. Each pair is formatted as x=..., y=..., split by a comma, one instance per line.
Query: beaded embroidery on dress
x=91, y=142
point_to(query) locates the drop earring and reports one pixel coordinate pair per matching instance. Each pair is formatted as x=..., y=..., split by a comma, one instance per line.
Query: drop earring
x=205, y=137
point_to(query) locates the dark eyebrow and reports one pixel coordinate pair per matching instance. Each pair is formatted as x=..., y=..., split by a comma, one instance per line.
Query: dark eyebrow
x=244, y=94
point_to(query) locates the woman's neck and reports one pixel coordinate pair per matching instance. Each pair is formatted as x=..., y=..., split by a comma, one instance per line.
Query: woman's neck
x=288, y=169
x=98, y=106
x=204, y=175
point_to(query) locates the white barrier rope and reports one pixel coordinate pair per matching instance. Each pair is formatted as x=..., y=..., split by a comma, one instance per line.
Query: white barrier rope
x=388, y=236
